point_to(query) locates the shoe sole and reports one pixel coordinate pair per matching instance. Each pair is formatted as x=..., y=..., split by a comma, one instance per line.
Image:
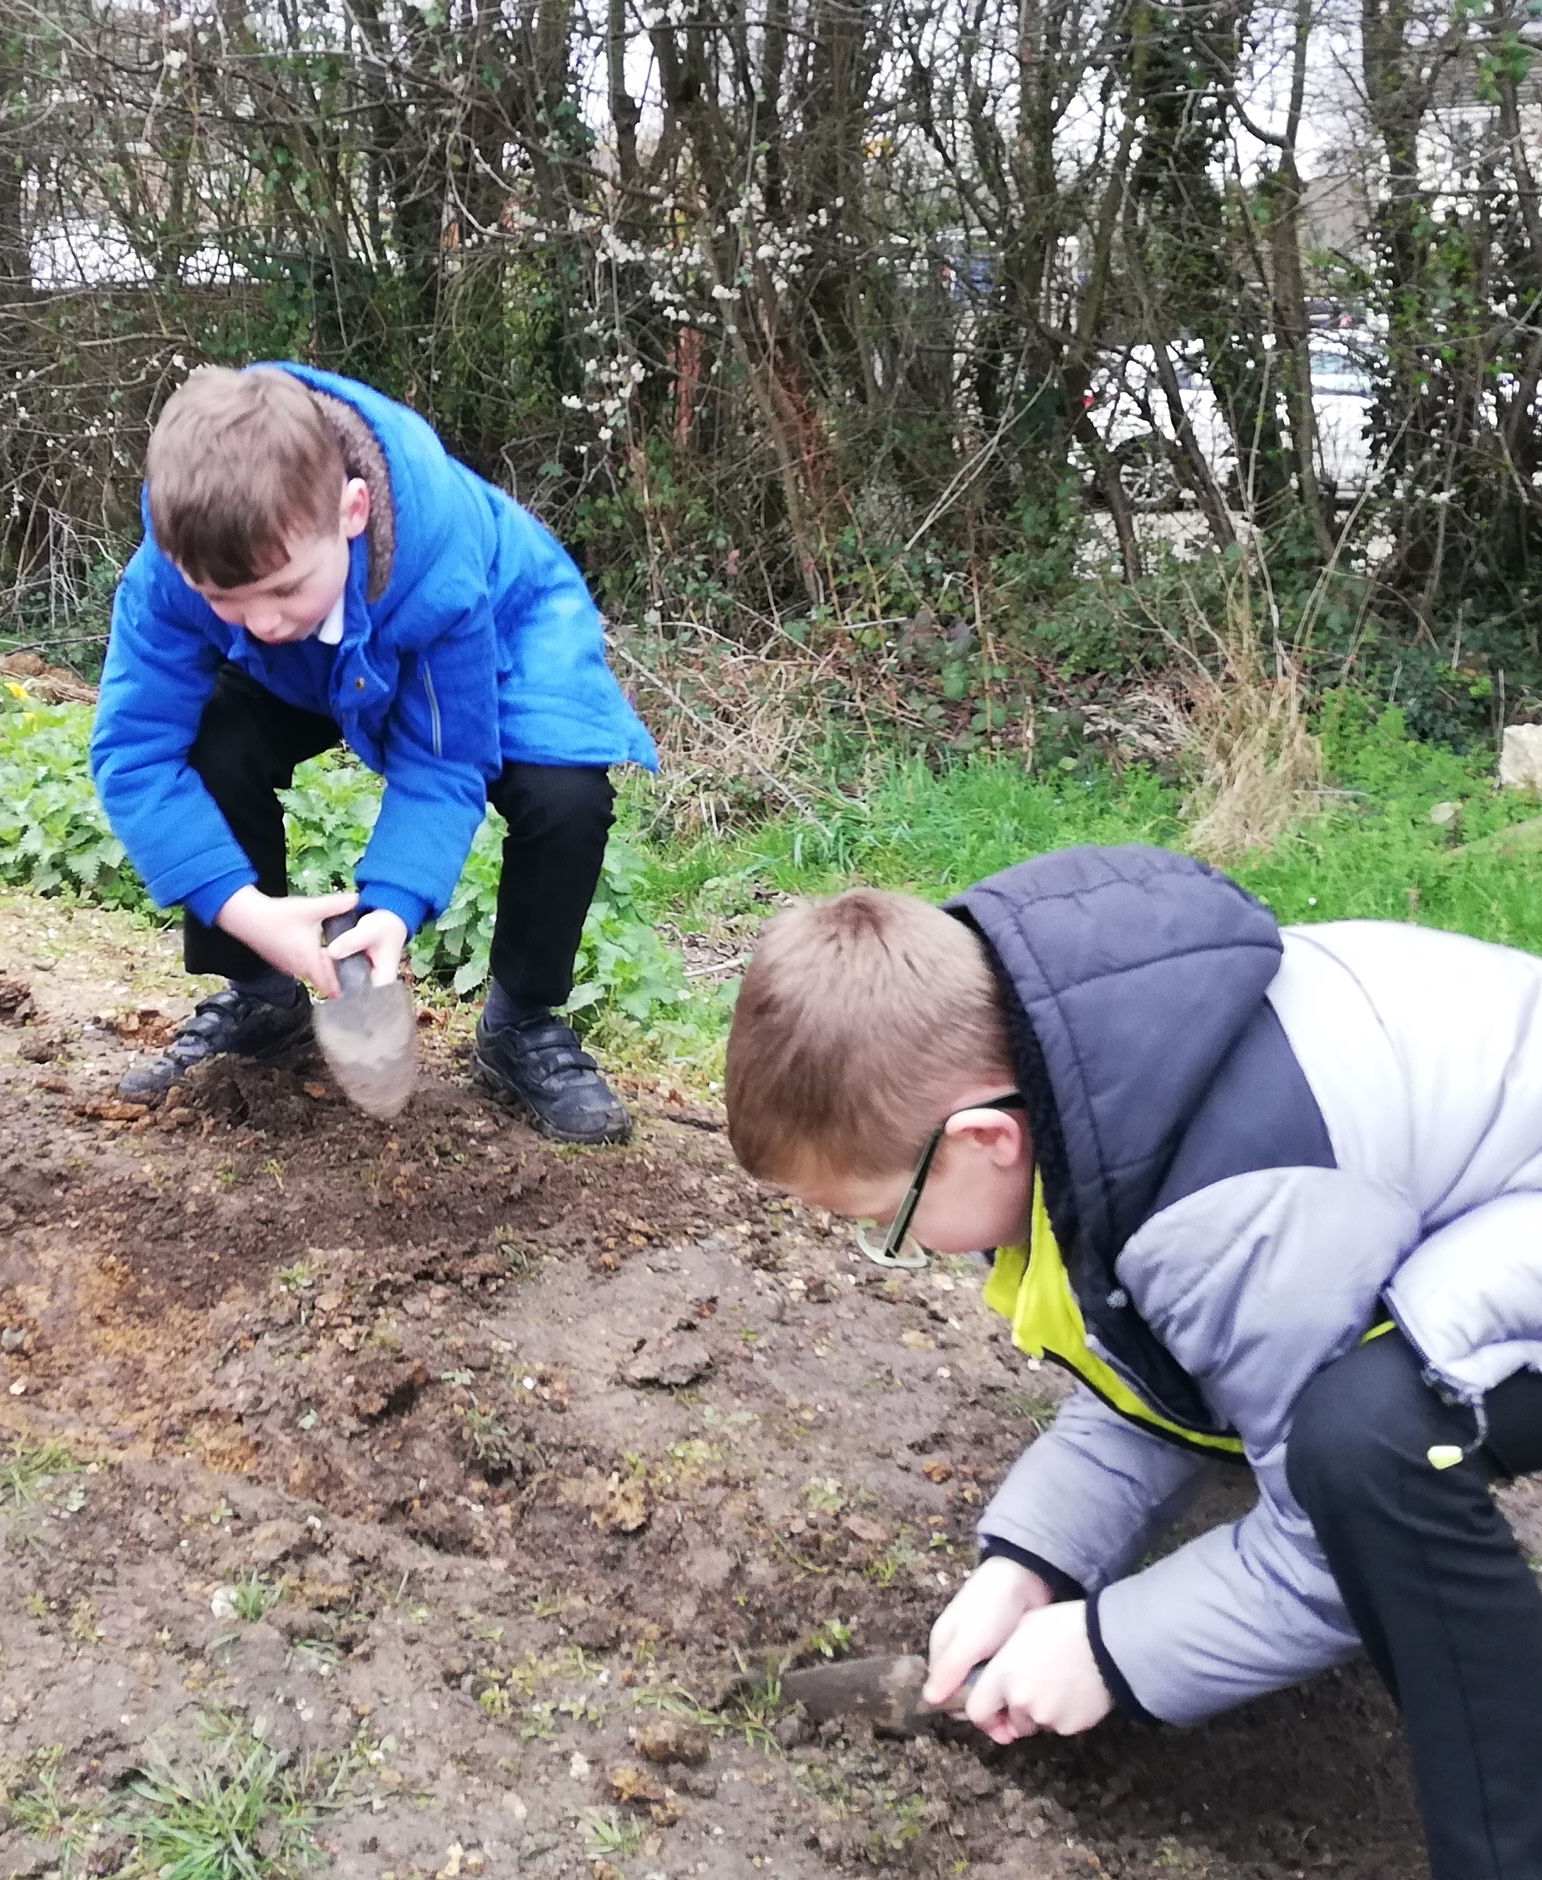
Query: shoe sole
x=511, y=1099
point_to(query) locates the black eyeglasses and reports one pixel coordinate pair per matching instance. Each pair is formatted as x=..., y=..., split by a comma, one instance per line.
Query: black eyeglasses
x=890, y=1249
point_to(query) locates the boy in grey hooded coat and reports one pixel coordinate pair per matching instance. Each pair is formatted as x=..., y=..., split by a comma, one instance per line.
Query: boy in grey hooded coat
x=1274, y=1196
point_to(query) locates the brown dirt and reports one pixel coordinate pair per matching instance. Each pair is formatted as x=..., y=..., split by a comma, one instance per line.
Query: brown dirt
x=533, y=1440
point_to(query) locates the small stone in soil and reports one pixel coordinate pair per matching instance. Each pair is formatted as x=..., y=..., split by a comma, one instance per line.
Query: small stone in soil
x=671, y=1362
x=16, y=1005
x=673, y=1739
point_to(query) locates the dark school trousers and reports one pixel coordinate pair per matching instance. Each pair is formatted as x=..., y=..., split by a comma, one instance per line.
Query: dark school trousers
x=247, y=747
x=1438, y=1588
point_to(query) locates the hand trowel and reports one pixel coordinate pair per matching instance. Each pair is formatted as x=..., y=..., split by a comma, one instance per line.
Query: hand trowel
x=368, y=1033
x=887, y=1691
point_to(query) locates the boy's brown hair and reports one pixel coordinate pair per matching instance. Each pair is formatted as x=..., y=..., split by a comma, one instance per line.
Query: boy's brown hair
x=859, y=1022
x=240, y=465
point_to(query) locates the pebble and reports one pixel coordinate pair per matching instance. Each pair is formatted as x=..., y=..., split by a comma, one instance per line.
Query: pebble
x=673, y=1739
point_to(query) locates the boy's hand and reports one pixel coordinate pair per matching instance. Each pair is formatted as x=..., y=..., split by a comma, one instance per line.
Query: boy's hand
x=978, y=1621
x=380, y=934
x=287, y=931
x=1044, y=1678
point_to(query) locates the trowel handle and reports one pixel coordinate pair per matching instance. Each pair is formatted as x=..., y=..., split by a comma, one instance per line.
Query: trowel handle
x=353, y=973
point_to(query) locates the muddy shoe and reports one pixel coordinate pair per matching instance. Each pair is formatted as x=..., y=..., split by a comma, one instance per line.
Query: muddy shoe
x=229, y=1023
x=540, y=1066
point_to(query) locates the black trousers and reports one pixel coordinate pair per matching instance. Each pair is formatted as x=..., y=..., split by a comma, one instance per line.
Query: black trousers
x=247, y=747
x=1442, y=1596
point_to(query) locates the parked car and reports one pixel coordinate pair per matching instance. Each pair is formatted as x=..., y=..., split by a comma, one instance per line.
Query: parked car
x=1131, y=412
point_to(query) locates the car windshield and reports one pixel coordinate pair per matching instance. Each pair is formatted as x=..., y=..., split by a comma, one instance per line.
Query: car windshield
x=1337, y=371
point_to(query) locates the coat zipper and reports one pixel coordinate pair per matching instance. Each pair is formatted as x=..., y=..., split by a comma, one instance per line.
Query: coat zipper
x=433, y=710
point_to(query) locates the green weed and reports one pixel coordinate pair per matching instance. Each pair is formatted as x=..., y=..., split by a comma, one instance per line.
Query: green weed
x=831, y=1638
x=55, y=838
x=755, y=1706
x=235, y=1813
x=320, y=1654
x=31, y=1797
x=608, y=1832
x=493, y=1445
x=251, y=1599
x=27, y=1472
x=824, y=1495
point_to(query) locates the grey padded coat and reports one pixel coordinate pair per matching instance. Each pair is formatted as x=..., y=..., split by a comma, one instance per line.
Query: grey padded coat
x=1254, y=1145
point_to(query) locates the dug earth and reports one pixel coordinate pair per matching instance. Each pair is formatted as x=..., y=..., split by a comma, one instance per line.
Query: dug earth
x=424, y=1499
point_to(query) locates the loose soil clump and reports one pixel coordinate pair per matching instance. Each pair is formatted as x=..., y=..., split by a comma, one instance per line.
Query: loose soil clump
x=459, y=1475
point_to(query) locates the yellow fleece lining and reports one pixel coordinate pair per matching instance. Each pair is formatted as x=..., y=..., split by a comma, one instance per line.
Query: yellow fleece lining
x=1030, y=1287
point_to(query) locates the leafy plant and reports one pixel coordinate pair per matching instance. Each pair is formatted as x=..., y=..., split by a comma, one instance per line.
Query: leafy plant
x=54, y=835
x=55, y=839
x=25, y=1473
x=329, y=812
x=234, y=1814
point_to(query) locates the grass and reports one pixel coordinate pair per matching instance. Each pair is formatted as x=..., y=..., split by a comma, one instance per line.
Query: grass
x=1395, y=830
x=235, y=1812
x=231, y=1811
x=752, y=1707
x=32, y=1796
x=250, y=1599
x=1373, y=851
x=607, y=1832
x=25, y=1473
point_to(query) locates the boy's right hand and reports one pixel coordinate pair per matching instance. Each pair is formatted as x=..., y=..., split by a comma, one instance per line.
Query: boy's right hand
x=979, y=1619
x=287, y=931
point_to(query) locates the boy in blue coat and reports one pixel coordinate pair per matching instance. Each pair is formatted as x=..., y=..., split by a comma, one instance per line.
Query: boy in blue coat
x=317, y=569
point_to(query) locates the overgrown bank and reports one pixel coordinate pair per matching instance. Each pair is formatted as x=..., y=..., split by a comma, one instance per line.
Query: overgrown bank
x=1402, y=830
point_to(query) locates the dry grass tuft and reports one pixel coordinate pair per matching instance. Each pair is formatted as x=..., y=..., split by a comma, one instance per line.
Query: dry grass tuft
x=1257, y=765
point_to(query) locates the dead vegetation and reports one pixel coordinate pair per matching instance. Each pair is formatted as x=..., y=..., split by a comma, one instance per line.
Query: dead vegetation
x=1256, y=763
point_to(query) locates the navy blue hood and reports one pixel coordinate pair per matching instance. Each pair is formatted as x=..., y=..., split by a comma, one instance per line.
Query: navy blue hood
x=1131, y=976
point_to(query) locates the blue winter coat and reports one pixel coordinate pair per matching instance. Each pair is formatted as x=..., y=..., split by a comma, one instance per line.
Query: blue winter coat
x=485, y=648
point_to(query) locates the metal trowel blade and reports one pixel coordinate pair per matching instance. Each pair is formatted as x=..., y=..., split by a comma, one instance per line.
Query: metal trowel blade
x=887, y=1691
x=369, y=1037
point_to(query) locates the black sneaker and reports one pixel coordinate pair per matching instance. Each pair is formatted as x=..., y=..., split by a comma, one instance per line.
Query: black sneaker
x=540, y=1067
x=228, y=1023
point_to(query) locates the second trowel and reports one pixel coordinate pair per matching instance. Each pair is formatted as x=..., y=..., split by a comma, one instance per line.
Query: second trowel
x=368, y=1033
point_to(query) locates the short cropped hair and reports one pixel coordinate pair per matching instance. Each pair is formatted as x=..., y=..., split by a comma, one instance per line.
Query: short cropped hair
x=859, y=1022
x=240, y=465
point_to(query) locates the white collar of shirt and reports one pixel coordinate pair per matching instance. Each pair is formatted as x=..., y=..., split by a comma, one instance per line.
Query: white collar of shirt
x=330, y=632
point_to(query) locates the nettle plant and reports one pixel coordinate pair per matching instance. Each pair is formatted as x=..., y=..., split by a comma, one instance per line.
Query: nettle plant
x=54, y=838
x=53, y=835
x=622, y=963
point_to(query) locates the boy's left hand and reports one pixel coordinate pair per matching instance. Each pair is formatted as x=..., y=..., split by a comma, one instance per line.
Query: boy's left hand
x=383, y=936
x=1044, y=1678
